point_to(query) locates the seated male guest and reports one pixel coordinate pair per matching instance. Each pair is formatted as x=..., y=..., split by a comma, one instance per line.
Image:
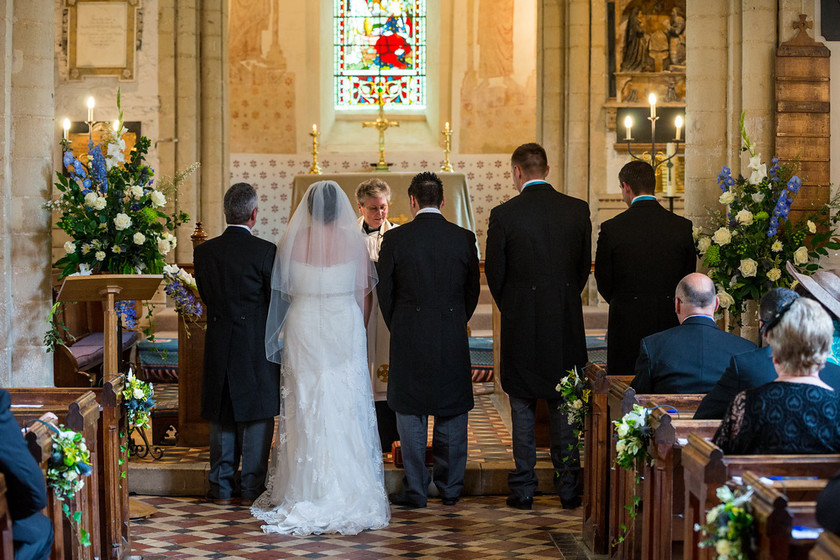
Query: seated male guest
x=755, y=368
x=26, y=495
x=691, y=357
x=797, y=413
x=828, y=506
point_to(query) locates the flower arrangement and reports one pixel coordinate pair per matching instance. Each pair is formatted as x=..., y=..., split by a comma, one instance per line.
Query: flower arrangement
x=574, y=402
x=181, y=287
x=633, y=433
x=751, y=239
x=138, y=397
x=68, y=465
x=112, y=211
x=728, y=525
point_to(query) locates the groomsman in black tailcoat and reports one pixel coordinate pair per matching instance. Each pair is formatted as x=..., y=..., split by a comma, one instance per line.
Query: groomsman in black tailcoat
x=537, y=263
x=642, y=254
x=428, y=289
x=26, y=492
x=240, y=393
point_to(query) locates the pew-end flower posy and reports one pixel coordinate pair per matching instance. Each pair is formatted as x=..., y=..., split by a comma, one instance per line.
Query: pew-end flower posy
x=67, y=468
x=181, y=287
x=752, y=238
x=138, y=397
x=728, y=524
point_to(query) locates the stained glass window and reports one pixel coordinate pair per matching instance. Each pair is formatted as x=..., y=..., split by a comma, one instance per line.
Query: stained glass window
x=380, y=47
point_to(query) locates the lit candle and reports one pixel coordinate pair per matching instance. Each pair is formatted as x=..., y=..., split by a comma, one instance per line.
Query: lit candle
x=678, y=123
x=91, y=103
x=65, y=124
x=628, y=124
x=670, y=150
x=446, y=126
x=314, y=129
x=116, y=126
x=652, y=101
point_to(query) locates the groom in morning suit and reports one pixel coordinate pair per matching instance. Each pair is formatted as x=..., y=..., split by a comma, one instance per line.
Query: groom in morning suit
x=537, y=262
x=241, y=390
x=428, y=289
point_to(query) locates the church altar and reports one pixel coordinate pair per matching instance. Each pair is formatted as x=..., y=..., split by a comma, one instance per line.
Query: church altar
x=457, y=207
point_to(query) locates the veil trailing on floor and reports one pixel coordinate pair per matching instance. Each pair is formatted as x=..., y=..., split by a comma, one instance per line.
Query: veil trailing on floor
x=323, y=232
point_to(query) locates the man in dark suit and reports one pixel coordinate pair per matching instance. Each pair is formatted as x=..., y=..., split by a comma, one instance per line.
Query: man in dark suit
x=755, y=367
x=26, y=493
x=691, y=357
x=537, y=262
x=428, y=289
x=642, y=254
x=240, y=393
x=828, y=505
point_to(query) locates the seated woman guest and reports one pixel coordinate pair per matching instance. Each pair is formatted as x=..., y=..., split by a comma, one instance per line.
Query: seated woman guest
x=798, y=412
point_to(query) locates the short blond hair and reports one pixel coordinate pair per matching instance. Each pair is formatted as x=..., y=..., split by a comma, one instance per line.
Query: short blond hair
x=801, y=341
x=372, y=188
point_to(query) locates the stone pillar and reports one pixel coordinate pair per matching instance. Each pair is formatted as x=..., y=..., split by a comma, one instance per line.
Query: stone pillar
x=577, y=100
x=27, y=132
x=758, y=55
x=551, y=64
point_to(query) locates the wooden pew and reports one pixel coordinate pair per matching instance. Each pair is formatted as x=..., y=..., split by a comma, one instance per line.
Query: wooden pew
x=706, y=468
x=827, y=547
x=620, y=400
x=663, y=488
x=778, y=507
x=111, y=443
x=597, y=468
x=7, y=548
x=80, y=413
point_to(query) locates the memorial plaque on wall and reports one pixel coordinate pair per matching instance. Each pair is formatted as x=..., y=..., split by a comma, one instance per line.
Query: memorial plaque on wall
x=830, y=19
x=101, y=38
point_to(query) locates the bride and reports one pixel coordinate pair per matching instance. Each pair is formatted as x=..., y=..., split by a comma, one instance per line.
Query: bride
x=326, y=473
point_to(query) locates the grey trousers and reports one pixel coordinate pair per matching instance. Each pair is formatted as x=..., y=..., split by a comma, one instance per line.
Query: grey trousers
x=449, y=447
x=231, y=440
x=523, y=480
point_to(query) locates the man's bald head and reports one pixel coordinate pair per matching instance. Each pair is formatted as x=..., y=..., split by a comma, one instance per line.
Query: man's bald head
x=695, y=295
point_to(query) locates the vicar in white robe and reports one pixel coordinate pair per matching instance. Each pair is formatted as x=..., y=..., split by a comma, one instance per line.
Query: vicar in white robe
x=372, y=198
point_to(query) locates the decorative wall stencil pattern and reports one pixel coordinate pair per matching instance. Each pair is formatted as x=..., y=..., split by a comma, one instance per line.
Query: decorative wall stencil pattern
x=488, y=175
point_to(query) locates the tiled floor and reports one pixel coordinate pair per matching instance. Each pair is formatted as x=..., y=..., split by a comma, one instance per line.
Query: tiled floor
x=477, y=527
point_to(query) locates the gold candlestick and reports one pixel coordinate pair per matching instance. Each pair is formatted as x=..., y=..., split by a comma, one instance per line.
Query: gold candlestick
x=447, y=146
x=315, y=169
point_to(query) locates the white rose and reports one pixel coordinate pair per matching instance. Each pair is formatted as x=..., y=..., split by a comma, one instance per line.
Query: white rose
x=136, y=191
x=812, y=227
x=69, y=247
x=725, y=299
x=578, y=404
x=100, y=255
x=139, y=238
x=722, y=236
x=163, y=246
x=758, y=197
x=622, y=430
x=723, y=547
x=137, y=393
x=744, y=217
x=800, y=256
x=696, y=231
x=100, y=203
x=122, y=221
x=90, y=198
x=703, y=244
x=71, y=475
x=158, y=199
x=777, y=246
x=774, y=274
x=727, y=198
x=748, y=268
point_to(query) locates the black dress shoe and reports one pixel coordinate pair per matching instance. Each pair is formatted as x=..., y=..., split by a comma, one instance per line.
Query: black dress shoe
x=400, y=499
x=573, y=503
x=520, y=502
x=450, y=501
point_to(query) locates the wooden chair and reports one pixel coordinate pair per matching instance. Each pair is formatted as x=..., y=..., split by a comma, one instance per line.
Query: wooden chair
x=706, y=468
x=827, y=547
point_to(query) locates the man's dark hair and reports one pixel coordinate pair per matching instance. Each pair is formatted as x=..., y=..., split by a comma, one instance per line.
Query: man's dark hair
x=427, y=189
x=240, y=201
x=329, y=206
x=531, y=159
x=640, y=176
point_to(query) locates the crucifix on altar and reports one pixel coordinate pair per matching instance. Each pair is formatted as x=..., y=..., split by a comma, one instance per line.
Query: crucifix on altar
x=381, y=124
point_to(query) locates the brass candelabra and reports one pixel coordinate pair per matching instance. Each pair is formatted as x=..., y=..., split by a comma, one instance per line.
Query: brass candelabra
x=315, y=169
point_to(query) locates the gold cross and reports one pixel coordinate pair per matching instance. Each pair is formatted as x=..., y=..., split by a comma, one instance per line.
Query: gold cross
x=381, y=124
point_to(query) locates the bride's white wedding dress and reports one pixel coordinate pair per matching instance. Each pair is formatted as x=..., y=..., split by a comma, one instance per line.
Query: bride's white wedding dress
x=326, y=473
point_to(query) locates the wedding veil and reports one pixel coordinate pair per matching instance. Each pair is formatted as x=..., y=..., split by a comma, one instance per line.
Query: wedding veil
x=323, y=232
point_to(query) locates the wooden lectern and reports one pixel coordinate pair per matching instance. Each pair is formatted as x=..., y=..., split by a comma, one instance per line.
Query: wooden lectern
x=109, y=289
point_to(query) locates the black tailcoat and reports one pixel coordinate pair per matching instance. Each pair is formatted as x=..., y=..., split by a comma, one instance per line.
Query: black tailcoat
x=537, y=261
x=233, y=273
x=689, y=358
x=748, y=370
x=428, y=289
x=642, y=255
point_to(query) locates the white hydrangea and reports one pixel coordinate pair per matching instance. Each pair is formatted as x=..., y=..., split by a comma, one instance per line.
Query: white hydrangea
x=69, y=247
x=100, y=256
x=774, y=274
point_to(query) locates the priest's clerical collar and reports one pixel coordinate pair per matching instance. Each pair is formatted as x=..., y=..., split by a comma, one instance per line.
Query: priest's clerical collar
x=369, y=229
x=429, y=210
x=532, y=182
x=240, y=225
x=643, y=197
